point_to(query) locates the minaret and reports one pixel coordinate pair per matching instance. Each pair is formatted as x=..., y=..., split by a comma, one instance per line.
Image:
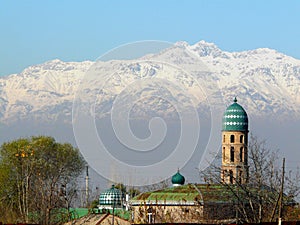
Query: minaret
x=87, y=187
x=234, y=145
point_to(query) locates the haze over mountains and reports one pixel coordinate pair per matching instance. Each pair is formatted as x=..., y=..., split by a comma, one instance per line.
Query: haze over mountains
x=40, y=99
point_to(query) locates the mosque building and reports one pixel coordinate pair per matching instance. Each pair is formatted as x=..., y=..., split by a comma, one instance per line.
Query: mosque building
x=195, y=203
x=181, y=203
x=204, y=203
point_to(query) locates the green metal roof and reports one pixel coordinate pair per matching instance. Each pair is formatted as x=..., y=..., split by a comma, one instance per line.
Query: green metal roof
x=190, y=193
x=202, y=194
x=235, y=118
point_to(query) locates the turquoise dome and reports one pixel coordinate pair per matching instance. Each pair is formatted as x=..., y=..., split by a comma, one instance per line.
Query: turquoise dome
x=178, y=179
x=111, y=197
x=235, y=118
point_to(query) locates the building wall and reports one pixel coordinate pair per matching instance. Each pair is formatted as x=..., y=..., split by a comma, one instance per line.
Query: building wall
x=167, y=214
x=210, y=213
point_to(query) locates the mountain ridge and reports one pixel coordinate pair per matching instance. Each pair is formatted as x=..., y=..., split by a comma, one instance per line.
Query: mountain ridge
x=265, y=81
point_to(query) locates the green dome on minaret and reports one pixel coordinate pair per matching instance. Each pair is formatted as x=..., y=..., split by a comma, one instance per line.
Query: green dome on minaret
x=235, y=118
x=178, y=179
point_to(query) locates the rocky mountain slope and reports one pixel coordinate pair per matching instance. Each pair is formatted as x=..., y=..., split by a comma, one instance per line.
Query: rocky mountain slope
x=265, y=81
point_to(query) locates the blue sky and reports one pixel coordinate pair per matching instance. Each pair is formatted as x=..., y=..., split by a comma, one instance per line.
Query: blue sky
x=33, y=32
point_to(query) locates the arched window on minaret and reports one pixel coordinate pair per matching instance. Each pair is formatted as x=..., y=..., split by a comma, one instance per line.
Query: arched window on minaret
x=241, y=154
x=231, y=176
x=232, y=138
x=240, y=176
x=231, y=154
x=242, y=139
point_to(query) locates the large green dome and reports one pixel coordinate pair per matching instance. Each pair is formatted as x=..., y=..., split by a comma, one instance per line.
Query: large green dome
x=111, y=197
x=178, y=179
x=235, y=118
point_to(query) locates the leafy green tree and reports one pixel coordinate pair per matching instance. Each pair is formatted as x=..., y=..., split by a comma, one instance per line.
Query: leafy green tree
x=36, y=174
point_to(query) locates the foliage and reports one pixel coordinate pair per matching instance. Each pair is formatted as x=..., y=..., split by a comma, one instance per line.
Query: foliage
x=127, y=190
x=37, y=177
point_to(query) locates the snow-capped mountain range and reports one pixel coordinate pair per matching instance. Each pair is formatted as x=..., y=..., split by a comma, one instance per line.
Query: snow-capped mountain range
x=266, y=82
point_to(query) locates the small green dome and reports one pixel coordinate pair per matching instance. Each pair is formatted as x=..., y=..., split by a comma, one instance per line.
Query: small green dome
x=178, y=179
x=235, y=118
x=111, y=197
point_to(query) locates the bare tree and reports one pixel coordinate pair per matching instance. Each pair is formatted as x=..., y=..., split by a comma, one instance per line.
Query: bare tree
x=258, y=198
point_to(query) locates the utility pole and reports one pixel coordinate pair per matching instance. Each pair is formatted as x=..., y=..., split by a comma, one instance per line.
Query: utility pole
x=281, y=193
x=87, y=187
x=113, y=211
x=280, y=197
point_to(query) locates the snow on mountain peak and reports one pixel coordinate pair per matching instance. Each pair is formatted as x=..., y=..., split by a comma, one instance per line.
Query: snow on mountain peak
x=203, y=49
x=181, y=44
x=266, y=80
